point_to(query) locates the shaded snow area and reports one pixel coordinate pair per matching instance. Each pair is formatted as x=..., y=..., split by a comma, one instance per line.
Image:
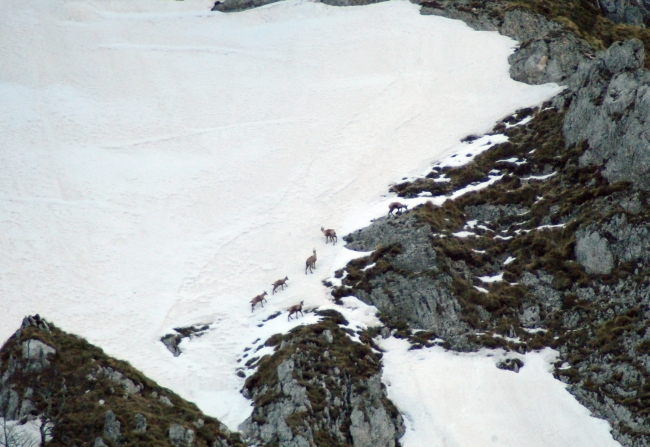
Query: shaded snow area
x=163, y=164
x=455, y=399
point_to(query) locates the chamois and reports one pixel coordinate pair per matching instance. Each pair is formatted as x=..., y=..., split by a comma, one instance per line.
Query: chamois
x=396, y=206
x=280, y=283
x=330, y=235
x=258, y=299
x=311, y=263
x=295, y=309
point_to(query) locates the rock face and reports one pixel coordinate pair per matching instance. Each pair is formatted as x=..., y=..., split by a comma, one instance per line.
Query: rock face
x=416, y=254
x=633, y=12
x=36, y=352
x=593, y=253
x=172, y=341
x=609, y=109
x=320, y=388
x=88, y=398
x=413, y=288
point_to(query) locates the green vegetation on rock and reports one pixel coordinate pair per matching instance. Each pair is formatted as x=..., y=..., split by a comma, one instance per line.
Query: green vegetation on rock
x=87, y=395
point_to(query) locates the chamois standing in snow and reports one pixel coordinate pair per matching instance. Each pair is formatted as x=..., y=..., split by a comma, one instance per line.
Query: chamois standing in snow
x=396, y=206
x=280, y=283
x=330, y=235
x=295, y=309
x=311, y=263
x=258, y=299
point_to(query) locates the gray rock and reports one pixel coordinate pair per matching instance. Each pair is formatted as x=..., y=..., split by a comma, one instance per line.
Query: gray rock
x=479, y=20
x=140, y=424
x=540, y=284
x=547, y=53
x=99, y=442
x=609, y=109
x=593, y=253
x=171, y=342
x=34, y=321
x=181, y=436
x=348, y=403
x=545, y=60
x=118, y=378
x=327, y=335
x=530, y=316
x=36, y=352
x=523, y=26
x=351, y=2
x=239, y=5
x=371, y=424
x=417, y=253
x=629, y=242
x=633, y=12
x=511, y=364
x=422, y=301
x=165, y=400
x=111, y=427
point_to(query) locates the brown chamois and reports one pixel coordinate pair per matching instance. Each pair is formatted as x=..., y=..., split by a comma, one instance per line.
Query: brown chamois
x=258, y=299
x=330, y=235
x=396, y=206
x=295, y=309
x=311, y=263
x=280, y=283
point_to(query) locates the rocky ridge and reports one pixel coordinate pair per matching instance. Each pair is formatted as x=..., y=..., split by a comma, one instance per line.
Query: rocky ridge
x=83, y=397
x=321, y=387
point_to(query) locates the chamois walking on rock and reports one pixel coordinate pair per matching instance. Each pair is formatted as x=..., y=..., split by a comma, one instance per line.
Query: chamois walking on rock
x=396, y=206
x=311, y=263
x=295, y=309
x=258, y=299
x=280, y=283
x=330, y=235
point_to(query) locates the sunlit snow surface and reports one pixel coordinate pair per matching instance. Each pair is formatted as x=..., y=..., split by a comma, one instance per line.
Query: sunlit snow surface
x=163, y=164
x=472, y=403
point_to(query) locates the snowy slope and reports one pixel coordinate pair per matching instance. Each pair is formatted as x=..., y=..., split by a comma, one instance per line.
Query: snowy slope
x=163, y=164
x=469, y=402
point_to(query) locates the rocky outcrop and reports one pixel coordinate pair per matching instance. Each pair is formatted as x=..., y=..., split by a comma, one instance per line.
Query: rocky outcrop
x=608, y=108
x=112, y=427
x=593, y=253
x=181, y=436
x=320, y=388
x=633, y=12
x=84, y=397
x=172, y=341
x=416, y=254
x=412, y=288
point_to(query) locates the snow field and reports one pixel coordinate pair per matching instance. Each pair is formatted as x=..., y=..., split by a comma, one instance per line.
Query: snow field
x=163, y=164
x=470, y=402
